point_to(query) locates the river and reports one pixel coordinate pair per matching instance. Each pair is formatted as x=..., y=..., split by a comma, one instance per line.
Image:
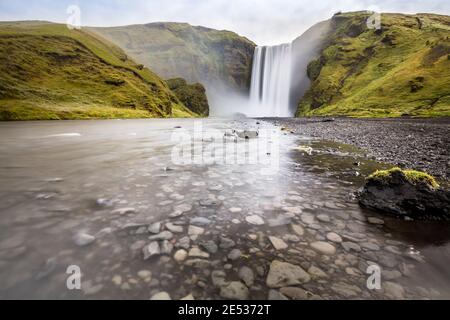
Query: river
x=94, y=194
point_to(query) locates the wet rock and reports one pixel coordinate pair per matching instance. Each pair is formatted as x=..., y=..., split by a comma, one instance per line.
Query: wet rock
x=376, y=221
x=323, y=248
x=278, y=244
x=391, y=274
x=123, y=211
x=83, y=239
x=394, y=290
x=145, y=275
x=235, y=254
x=406, y=194
x=184, y=243
x=279, y=222
x=218, y=278
x=308, y=218
x=200, y=221
x=283, y=274
x=197, y=253
x=226, y=243
x=298, y=230
x=90, y=289
x=274, y=295
x=346, y=290
x=247, y=134
x=294, y=293
x=351, y=246
x=161, y=296
x=180, y=255
x=174, y=228
x=235, y=210
x=235, y=291
x=210, y=246
x=247, y=276
x=317, y=273
x=189, y=297
x=151, y=250
x=352, y=272
x=211, y=203
x=195, y=231
x=255, y=220
x=166, y=247
x=198, y=263
x=180, y=210
x=165, y=235
x=138, y=245
x=324, y=218
x=334, y=237
x=155, y=228
x=370, y=246
x=291, y=238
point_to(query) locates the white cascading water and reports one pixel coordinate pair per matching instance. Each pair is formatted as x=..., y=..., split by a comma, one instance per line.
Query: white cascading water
x=271, y=81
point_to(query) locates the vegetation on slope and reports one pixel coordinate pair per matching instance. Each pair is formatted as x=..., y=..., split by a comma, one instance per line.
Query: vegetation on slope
x=402, y=69
x=50, y=72
x=197, y=54
x=193, y=96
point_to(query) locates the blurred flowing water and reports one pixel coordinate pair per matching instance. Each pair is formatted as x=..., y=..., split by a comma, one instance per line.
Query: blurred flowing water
x=114, y=179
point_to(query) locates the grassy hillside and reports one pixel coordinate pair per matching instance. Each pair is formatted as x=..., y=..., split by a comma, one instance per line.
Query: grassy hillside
x=196, y=54
x=402, y=69
x=50, y=72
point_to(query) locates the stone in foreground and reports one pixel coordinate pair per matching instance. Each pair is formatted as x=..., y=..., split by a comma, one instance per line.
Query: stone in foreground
x=284, y=274
x=406, y=193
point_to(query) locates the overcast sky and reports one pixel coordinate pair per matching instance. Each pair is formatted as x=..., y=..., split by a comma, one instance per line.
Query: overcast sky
x=266, y=22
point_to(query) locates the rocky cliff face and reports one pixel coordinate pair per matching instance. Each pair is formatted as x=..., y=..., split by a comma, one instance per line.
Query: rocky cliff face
x=401, y=69
x=212, y=57
x=193, y=96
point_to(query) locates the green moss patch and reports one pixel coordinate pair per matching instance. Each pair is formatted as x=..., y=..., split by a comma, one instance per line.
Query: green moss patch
x=412, y=176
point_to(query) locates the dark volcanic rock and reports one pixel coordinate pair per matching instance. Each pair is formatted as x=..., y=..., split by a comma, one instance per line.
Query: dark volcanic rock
x=396, y=193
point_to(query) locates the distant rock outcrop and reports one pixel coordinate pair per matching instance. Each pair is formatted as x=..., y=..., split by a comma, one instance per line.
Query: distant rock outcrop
x=193, y=96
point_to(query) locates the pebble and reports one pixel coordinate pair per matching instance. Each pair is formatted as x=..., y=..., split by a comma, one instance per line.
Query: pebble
x=166, y=247
x=161, y=296
x=195, y=231
x=247, y=276
x=274, y=295
x=151, y=250
x=279, y=222
x=283, y=274
x=173, y=228
x=298, y=229
x=370, y=246
x=210, y=246
x=351, y=246
x=197, y=253
x=155, y=228
x=294, y=293
x=145, y=275
x=235, y=210
x=334, y=237
x=236, y=290
x=394, y=290
x=83, y=239
x=317, y=273
x=165, y=235
x=376, y=221
x=308, y=218
x=278, y=243
x=235, y=254
x=324, y=248
x=184, y=243
x=323, y=218
x=180, y=255
x=255, y=220
x=226, y=243
x=123, y=211
x=200, y=221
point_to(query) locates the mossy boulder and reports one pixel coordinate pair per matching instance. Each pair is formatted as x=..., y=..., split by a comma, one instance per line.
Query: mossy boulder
x=193, y=96
x=406, y=193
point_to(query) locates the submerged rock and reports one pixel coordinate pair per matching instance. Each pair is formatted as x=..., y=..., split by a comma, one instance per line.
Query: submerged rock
x=235, y=291
x=283, y=274
x=406, y=193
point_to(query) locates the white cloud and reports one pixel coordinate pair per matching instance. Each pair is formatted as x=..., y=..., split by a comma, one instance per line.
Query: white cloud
x=263, y=21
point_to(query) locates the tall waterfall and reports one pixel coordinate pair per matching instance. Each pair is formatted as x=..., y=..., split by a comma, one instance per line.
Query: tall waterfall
x=271, y=81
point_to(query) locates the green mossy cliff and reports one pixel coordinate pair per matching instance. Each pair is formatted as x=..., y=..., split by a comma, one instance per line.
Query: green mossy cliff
x=48, y=72
x=193, y=96
x=179, y=50
x=401, y=69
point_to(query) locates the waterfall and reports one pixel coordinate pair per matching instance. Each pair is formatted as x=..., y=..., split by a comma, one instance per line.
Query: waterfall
x=271, y=81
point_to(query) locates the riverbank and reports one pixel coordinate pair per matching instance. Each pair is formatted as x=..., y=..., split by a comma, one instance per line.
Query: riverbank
x=421, y=144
